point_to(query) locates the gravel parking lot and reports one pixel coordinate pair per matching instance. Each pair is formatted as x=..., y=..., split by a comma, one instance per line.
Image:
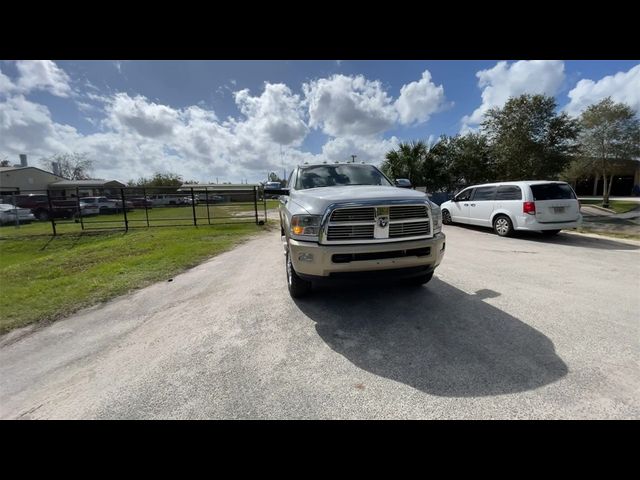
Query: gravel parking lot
x=524, y=327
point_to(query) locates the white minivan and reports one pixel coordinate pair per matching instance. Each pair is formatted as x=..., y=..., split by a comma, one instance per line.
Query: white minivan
x=543, y=206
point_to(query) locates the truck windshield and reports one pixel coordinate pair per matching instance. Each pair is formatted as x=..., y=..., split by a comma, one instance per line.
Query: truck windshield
x=339, y=175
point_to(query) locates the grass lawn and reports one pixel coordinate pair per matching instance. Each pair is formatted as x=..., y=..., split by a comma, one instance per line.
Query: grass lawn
x=619, y=206
x=609, y=233
x=45, y=278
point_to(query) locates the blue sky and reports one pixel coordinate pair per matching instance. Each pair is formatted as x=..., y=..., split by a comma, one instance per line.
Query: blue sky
x=231, y=119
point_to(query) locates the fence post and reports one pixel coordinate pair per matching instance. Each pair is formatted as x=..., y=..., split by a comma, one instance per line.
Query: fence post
x=124, y=210
x=193, y=207
x=146, y=210
x=15, y=209
x=255, y=202
x=264, y=202
x=206, y=196
x=79, y=209
x=53, y=222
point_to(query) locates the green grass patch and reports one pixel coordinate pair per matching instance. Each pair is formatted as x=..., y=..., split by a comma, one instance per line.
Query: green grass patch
x=619, y=206
x=45, y=278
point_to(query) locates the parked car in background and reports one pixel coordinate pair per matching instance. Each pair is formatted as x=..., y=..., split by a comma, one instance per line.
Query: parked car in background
x=87, y=209
x=106, y=205
x=43, y=209
x=543, y=206
x=141, y=202
x=212, y=199
x=8, y=214
x=166, y=199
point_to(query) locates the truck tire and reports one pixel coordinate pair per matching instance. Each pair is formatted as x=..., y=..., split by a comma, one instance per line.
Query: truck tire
x=297, y=286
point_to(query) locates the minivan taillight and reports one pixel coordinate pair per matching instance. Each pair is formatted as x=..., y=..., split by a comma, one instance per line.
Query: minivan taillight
x=529, y=207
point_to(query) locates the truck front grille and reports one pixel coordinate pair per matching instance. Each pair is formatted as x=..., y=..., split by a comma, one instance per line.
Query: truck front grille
x=408, y=211
x=354, y=214
x=348, y=232
x=408, y=229
x=379, y=223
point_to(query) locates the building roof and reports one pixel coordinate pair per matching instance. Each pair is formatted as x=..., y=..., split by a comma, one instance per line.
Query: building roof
x=10, y=169
x=219, y=186
x=95, y=183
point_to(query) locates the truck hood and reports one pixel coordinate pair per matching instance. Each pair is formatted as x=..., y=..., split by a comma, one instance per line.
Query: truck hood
x=316, y=200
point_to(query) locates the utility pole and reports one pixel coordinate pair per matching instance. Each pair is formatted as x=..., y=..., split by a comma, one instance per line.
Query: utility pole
x=353, y=158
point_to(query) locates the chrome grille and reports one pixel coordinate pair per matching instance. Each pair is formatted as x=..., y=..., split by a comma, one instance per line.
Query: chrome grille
x=371, y=223
x=408, y=211
x=354, y=214
x=347, y=232
x=408, y=229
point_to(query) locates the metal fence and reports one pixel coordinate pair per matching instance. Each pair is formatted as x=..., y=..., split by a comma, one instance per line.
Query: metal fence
x=81, y=209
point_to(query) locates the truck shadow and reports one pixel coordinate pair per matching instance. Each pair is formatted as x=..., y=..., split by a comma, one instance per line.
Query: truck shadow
x=436, y=338
x=561, y=239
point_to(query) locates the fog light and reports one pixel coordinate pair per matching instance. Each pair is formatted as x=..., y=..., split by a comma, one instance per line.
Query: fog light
x=305, y=257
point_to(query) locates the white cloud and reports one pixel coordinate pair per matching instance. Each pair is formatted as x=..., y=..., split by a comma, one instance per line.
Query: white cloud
x=621, y=87
x=275, y=116
x=344, y=105
x=146, y=118
x=42, y=75
x=138, y=136
x=419, y=100
x=6, y=85
x=368, y=149
x=506, y=80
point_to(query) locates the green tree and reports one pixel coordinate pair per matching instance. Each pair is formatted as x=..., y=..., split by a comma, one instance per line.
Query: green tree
x=529, y=139
x=610, y=133
x=158, y=180
x=466, y=160
x=406, y=161
x=72, y=166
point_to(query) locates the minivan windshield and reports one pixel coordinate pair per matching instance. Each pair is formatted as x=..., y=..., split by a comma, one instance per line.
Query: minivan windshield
x=552, y=191
x=337, y=175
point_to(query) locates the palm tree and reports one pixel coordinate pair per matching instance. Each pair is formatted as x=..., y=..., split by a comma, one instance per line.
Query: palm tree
x=406, y=161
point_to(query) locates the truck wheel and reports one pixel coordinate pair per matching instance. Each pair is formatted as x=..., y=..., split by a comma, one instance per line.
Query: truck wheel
x=297, y=286
x=502, y=226
x=446, y=217
x=422, y=279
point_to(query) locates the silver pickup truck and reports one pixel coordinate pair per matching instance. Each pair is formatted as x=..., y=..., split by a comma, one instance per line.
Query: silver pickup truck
x=348, y=220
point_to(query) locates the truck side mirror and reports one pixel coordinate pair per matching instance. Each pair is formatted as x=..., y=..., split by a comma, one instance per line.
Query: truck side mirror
x=403, y=183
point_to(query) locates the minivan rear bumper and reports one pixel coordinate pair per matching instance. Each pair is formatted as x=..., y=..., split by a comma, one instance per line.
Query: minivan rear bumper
x=529, y=222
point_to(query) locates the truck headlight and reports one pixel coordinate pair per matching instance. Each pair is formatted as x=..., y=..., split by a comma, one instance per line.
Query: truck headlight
x=436, y=213
x=305, y=225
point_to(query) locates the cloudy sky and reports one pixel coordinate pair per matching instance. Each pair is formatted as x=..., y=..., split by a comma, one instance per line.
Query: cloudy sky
x=237, y=120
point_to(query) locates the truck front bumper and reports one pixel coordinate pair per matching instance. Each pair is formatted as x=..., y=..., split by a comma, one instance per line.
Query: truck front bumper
x=312, y=260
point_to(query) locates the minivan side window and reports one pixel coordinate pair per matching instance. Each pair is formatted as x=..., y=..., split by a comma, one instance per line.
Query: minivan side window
x=484, y=193
x=509, y=192
x=465, y=195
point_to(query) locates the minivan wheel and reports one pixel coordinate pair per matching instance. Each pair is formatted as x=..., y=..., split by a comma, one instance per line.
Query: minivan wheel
x=550, y=233
x=297, y=286
x=502, y=226
x=446, y=217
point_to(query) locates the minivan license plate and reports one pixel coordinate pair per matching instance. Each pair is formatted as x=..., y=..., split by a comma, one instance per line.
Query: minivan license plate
x=558, y=209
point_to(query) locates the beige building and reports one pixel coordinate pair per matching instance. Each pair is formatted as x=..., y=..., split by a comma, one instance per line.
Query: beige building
x=26, y=180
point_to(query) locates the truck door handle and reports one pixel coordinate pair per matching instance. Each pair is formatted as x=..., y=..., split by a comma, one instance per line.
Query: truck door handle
x=466, y=204
x=473, y=204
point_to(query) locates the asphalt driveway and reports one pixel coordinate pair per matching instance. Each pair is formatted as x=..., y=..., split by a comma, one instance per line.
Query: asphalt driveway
x=523, y=327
